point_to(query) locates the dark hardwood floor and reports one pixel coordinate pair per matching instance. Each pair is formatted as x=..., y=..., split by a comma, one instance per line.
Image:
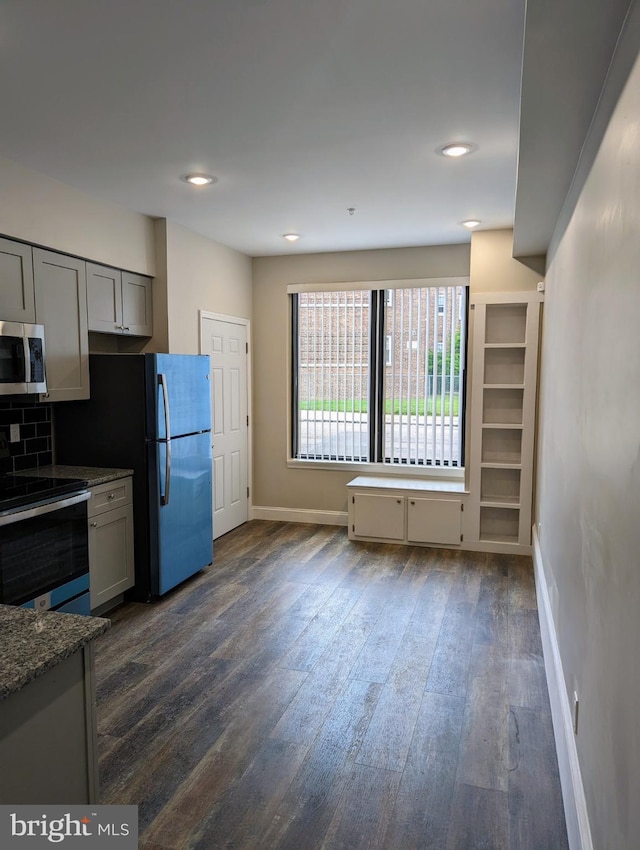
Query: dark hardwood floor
x=308, y=692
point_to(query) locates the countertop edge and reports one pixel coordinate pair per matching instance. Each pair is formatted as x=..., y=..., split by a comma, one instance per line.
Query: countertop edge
x=39, y=650
x=93, y=475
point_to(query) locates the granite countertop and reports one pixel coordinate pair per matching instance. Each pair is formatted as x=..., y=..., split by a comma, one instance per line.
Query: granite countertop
x=33, y=642
x=94, y=475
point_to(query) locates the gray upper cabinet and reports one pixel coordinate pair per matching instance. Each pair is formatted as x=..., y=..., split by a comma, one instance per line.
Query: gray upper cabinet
x=137, y=316
x=118, y=302
x=61, y=306
x=104, y=299
x=17, y=301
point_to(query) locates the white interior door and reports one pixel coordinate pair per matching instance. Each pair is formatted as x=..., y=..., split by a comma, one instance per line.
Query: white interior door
x=225, y=340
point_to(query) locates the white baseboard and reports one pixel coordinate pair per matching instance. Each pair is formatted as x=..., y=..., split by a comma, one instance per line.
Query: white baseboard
x=575, y=805
x=299, y=515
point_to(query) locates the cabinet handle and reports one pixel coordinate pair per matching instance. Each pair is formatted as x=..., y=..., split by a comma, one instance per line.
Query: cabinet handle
x=125, y=328
x=111, y=496
x=399, y=501
x=412, y=502
x=94, y=524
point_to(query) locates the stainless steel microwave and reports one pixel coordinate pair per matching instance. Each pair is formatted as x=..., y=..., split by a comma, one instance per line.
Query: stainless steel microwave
x=22, y=368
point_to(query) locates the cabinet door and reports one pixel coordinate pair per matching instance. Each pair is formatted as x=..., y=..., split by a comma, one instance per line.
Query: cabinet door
x=378, y=516
x=104, y=299
x=111, y=569
x=17, y=302
x=137, y=316
x=434, y=521
x=61, y=306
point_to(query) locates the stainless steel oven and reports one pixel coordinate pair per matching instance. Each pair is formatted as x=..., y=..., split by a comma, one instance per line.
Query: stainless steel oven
x=44, y=551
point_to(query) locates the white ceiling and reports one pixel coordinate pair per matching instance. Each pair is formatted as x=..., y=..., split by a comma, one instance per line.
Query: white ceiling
x=300, y=108
x=304, y=108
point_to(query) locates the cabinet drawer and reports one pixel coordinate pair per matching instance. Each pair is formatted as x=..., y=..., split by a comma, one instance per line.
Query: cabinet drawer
x=106, y=497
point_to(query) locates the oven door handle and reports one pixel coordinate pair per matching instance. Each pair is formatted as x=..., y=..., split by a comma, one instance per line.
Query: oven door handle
x=47, y=508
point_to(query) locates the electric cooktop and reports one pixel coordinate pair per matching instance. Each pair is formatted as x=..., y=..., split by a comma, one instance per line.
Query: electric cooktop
x=18, y=491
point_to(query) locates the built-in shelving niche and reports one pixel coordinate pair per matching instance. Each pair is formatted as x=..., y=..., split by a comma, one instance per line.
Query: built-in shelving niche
x=504, y=365
x=502, y=445
x=500, y=486
x=505, y=323
x=502, y=406
x=499, y=524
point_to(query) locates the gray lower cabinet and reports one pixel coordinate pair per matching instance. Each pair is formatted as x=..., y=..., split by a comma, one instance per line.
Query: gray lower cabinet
x=17, y=299
x=111, y=560
x=48, y=738
x=61, y=306
x=118, y=302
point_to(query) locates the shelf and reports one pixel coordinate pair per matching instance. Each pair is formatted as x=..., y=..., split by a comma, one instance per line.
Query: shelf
x=500, y=503
x=503, y=386
x=499, y=538
x=492, y=426
x=505, y=345
x=500, y=465
x=506, y=323
x=504, y=366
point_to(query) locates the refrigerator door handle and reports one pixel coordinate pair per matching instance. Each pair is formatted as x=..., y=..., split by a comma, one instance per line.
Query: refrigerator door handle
x=162, y=382
x=164, y=499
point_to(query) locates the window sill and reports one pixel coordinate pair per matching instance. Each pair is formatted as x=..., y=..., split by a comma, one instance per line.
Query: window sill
x=386, y=469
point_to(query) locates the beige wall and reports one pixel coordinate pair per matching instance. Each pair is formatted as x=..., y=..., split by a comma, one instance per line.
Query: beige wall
x=588, y=504
x=40, y=210
x=493, y=268
x=201, y=275
x=275, y=485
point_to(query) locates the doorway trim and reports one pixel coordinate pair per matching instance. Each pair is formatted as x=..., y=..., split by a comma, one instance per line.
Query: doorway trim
x=237, y=320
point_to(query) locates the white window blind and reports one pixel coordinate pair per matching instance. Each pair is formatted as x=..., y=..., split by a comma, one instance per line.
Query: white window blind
x=378, y=374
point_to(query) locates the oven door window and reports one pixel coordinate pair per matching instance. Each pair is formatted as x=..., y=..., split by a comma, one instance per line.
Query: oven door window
x=12, y=360
x=42, y=552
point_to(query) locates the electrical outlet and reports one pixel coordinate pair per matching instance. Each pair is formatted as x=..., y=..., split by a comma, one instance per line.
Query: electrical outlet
x=576, y=706
x=540, y=286
x=14, y=433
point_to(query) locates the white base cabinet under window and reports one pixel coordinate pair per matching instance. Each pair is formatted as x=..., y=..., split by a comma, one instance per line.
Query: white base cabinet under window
x=405, y=511
x=111, y=563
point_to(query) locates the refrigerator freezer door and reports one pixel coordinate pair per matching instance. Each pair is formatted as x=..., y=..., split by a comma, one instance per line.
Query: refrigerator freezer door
x=185, y=522
x=188, y=395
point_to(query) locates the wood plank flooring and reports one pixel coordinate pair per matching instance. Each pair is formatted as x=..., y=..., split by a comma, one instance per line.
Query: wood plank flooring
x=309, y=693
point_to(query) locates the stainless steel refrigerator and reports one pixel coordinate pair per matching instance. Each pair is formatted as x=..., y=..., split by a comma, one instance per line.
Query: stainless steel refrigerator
x=151, y=413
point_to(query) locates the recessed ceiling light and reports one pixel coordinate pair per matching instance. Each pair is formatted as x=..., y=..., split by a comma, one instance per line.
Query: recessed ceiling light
x=471, y=223
x=456, y=149
x=291, y=237
x=200, y=179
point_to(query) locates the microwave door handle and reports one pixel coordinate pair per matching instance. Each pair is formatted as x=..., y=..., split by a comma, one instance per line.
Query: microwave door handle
x=26, y=355
x=162, y=382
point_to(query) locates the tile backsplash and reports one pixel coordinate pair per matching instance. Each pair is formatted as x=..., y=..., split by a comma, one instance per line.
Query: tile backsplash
x=34, y=446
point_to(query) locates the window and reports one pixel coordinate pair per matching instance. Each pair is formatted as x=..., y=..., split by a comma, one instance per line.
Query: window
x=378, y=375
